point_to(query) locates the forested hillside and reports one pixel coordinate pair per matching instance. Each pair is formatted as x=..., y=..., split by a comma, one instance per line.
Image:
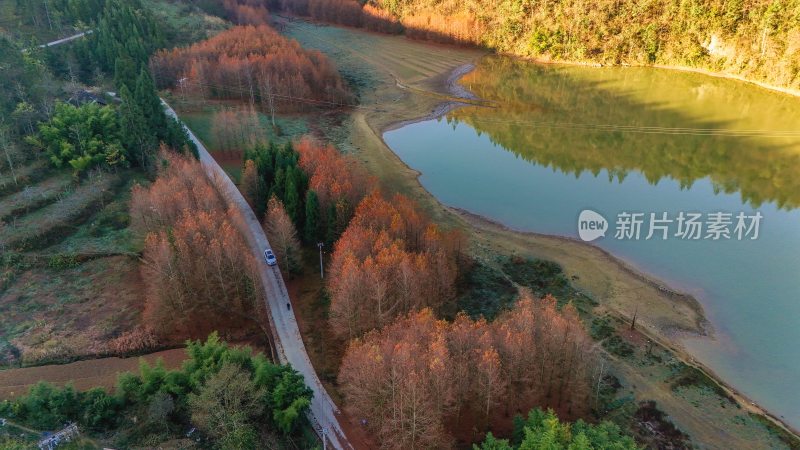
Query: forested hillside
x=757, y=39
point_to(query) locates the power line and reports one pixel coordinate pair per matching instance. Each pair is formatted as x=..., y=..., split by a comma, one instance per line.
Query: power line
x=587, y=126
x=642, y=129
x=638, y=129
x=246, y=92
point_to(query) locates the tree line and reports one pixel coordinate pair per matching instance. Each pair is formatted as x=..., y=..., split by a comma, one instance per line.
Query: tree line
x=390, y=260
x=235, y=129
x=255, y=64
x=418, y=376
x=125, y=36
x=197, y=267
x=318, y=186
x=129, y=133
x=352, y=13
x=230, y=394
x=418, y=380
x=388, y=257
x=57, y=15
x=391, y=270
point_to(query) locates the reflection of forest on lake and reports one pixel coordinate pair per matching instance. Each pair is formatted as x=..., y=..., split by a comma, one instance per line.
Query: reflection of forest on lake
x=685, y=127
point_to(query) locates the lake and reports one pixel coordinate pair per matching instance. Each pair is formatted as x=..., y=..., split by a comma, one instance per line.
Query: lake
x=618, y=141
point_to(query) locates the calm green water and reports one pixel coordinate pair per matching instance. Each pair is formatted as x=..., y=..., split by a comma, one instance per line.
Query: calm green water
x=565, y=139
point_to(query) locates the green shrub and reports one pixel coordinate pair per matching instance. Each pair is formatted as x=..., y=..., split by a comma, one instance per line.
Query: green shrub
x=48, y=407
x=617, y=346
x=82, y=137
x=601, y=328
x=543, y=430
x=270, y=396
x=63, y=261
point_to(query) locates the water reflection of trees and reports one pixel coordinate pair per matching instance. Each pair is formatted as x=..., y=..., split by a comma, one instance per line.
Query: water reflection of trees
x=549, y=116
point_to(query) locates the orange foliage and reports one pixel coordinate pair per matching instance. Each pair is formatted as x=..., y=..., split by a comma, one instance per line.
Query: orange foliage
x=376, y=19
x=181, y=186
x=390, y=260
x=282, y=235
x=253, y=63
x=455, y=29
x=332, y=176
x=196, y=265
x=400, y=378
x=419, y=374
x=246, y=12
x=345, y=12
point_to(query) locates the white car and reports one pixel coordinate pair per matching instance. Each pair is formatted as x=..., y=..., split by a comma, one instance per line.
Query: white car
x=270, y=258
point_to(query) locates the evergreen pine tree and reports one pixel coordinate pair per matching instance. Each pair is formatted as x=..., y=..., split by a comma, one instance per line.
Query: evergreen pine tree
x=279, y=186
x=125, y=73
x=292, y=201
x=147, y=98
x=330, y=225
x=312, y=225
x=136, y=135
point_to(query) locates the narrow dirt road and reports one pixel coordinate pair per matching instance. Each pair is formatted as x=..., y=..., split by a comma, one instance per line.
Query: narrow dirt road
x=66, y=39
x=290, y=348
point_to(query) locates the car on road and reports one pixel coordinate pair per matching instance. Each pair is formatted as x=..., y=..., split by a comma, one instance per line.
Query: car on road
x=270, y=258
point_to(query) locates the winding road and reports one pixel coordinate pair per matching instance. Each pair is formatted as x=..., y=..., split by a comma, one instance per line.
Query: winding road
x=324, y=414
x=289, y=344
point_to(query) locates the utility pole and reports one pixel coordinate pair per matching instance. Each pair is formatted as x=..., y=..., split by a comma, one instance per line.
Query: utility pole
x=182, y=84
x=324, y=431
x=321, y=269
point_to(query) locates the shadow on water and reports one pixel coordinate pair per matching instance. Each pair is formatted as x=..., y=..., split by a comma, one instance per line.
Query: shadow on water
x=686, y=128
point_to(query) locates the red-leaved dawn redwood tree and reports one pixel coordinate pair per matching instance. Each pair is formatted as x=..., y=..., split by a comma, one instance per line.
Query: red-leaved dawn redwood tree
x=246, y=12
x=283, y=235
x=419, y=376
x=196, y=265
x=254, y=64
x=338, y=182
x=389, y=261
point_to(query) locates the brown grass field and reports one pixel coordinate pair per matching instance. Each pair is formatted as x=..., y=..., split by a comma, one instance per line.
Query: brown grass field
x=83, y=375
x=69, y=273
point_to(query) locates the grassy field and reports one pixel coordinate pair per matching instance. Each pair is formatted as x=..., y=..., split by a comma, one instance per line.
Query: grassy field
x=642, y=362
x=395, y=56
x=70, y=278
x=34, y=197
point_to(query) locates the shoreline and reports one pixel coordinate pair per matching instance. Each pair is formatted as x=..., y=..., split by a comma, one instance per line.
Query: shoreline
x=671, y=338
x=668, y=338
x=704, y=328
